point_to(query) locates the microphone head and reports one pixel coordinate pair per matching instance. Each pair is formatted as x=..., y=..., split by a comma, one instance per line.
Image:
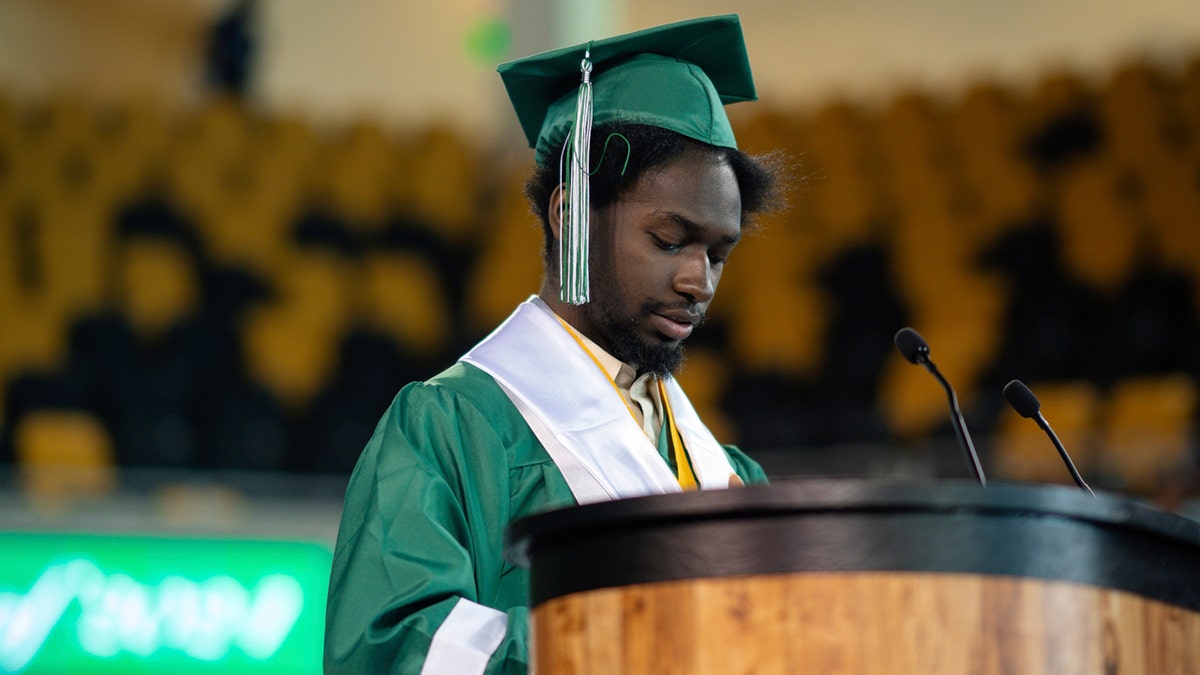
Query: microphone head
x=911, y=345
x=1022, y=399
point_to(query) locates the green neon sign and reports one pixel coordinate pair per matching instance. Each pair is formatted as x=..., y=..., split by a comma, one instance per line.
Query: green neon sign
x=116, y=604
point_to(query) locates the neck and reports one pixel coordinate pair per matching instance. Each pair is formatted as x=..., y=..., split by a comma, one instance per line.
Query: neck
x=572, y=314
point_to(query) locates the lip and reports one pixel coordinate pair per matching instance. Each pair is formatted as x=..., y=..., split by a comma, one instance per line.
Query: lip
x=674, y=325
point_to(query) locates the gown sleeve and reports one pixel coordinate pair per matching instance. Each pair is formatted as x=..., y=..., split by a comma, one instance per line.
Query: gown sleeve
x=747, y=469
x=417, y=565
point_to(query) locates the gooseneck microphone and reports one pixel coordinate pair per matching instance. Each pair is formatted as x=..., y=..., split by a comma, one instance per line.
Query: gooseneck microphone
x=915, y=350
x=1027, y=405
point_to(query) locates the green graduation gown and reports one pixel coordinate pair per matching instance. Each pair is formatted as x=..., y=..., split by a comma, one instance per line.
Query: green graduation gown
x=450, y=464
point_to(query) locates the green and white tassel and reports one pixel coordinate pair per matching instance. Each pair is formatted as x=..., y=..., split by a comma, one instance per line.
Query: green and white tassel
x=573, y=240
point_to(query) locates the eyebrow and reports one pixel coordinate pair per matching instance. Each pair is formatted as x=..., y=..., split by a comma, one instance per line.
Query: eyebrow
x=693, y=228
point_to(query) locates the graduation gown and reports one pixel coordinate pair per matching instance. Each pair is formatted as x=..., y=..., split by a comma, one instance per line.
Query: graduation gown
x=419, y=582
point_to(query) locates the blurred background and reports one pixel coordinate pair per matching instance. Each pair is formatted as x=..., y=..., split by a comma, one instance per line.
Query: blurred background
x=231, y=230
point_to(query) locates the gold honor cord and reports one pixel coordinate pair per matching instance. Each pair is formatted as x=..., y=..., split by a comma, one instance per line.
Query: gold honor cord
x=584, y=347
x=684, y=473
x=687, y=477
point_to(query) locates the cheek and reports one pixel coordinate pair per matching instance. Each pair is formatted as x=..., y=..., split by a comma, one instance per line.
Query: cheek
x=631, y=263
x=715, y=276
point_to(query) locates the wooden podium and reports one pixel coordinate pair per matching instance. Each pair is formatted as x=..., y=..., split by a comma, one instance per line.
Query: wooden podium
x=863, y=577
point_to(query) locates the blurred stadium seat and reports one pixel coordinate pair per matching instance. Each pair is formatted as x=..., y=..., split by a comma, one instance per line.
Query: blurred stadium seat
x=354, y=172
x=986, y=132
x=157, y=285
x=1148, y=432
x=842, y=176
x=1100, y=234
x=63, y=455
x=509, y=264
x=400, y=294
x=447, y=184
x=705, y=377
x=1048, y=231
x=285, y=354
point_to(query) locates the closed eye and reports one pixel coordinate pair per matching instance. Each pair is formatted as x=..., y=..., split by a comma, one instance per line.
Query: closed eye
x=664, y=244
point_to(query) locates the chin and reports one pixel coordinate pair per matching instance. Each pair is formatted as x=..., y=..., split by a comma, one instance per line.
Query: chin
x=662, y=359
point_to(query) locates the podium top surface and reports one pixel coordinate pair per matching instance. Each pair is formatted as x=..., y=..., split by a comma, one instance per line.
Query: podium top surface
x=1040, y=531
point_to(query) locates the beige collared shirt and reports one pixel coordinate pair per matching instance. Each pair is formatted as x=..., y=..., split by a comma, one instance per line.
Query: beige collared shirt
x=640, y=392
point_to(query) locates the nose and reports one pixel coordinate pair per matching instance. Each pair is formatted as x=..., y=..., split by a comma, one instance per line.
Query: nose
x=695, y=279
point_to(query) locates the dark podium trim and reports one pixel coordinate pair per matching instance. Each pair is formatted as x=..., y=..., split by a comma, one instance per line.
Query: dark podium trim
x=1046, y=532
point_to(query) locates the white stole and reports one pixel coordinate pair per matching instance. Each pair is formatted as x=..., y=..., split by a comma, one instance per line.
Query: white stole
x=580, y=419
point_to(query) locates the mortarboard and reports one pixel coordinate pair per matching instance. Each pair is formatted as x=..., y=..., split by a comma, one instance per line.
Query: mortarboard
x=677, y=76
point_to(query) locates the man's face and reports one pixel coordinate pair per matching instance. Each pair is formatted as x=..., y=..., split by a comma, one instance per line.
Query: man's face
x=657, y=257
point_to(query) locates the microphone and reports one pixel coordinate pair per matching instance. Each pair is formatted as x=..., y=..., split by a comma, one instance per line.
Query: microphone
x=1026, y=404
x=915, y=350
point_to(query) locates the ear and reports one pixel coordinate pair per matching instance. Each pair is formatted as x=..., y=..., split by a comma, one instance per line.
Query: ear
x=555, y=209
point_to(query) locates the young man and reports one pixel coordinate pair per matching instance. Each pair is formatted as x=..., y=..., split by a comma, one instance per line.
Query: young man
x=572, y=399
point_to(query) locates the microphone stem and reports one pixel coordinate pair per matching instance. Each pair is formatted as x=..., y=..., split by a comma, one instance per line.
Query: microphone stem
x=1041, y=421
x=960, y=425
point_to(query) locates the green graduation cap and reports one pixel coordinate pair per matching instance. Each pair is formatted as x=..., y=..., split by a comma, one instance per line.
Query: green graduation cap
x=678, y=77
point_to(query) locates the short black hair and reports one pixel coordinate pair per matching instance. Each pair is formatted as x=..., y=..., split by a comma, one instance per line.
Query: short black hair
x=634, y=149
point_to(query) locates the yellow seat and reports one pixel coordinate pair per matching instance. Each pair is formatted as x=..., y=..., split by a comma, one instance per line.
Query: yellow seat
x=776, y=313
x=447, y=184
x=34, y=336
x=401, y=294
x=247, y=228
x=16, y=158
x=1022, y=451
x=317, y=286
x=283, y=156
x=284, y=356
x=1055, y=93
x=59, y=122
x=289, y=139
x=1171, y=207
x=704, y=377
x=1099, y=232
x=1148, y=432
x=157, y=285
x=985, y=120
x=1135, y=107
x=1189, y=95
x=63, y=454
x=985, y=131
x=921, y=170
x=780, y=331
x=190, y=181
x=929, y=250
x=75, y=246
x=353, y=176
x=842, y=176
x=509, y=266
x=218, y=129
x=133, y=138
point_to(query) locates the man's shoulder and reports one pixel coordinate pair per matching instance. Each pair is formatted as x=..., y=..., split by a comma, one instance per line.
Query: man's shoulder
x=466, y=398
x=464, y=384
x=467, y=380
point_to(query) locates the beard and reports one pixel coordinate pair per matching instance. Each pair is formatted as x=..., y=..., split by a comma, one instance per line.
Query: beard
x=618, y=320
x=620, y=331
